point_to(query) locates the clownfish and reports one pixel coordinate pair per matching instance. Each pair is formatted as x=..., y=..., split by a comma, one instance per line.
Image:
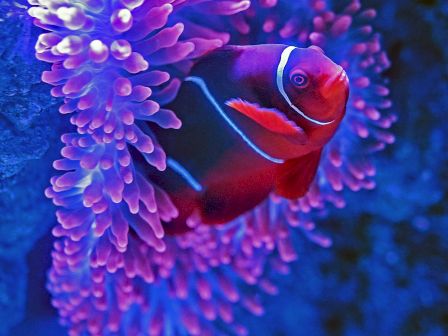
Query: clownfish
x=254, y=121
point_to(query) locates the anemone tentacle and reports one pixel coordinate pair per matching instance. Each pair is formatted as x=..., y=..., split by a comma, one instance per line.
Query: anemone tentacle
x=114, y=64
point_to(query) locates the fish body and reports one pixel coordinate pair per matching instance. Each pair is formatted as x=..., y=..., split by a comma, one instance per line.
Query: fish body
x=254, y=121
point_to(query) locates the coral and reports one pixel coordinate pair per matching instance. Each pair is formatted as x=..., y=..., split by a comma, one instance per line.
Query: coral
x=116, y=64
x=25, y=135
x=25, y=139
x=22, y=101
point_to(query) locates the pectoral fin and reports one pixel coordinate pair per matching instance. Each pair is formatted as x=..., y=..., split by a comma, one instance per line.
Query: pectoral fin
x=270, y=118
x=296, y=175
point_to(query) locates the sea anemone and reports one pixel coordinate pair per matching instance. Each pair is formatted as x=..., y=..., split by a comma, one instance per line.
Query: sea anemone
x=116, y=64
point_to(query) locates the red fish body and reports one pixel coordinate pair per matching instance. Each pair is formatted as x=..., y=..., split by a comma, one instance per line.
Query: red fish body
x=254, y=121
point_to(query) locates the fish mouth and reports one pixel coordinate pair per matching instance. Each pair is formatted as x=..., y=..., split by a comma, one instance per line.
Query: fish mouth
x=342, y=77
x=334, y=84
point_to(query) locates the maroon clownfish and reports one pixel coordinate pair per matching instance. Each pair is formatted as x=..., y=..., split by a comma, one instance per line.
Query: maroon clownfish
x=254, y=121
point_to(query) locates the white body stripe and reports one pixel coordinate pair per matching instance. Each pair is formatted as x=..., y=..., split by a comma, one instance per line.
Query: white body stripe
x=203, y=86
x=280, y=86
x=184, y=173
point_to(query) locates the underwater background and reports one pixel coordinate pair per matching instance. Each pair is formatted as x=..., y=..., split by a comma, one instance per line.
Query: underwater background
x=387, y=270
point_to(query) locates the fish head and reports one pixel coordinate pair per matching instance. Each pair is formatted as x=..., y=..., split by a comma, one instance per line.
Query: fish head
x=315, y=90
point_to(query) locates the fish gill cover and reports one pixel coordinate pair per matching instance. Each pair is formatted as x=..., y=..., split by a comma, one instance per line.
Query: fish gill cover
x=116, y=65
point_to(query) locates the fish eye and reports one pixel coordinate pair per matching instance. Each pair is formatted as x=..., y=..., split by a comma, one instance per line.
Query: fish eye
x=299, y=79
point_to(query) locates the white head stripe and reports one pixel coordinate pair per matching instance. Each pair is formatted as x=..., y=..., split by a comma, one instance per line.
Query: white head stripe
x=280, y=70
